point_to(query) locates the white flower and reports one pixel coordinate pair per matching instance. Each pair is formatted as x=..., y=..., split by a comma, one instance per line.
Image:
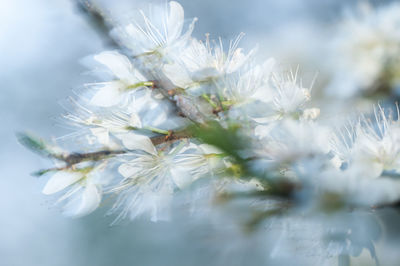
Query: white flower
x=250, y=85
x=371, y=146
x=364, y=49
x=288, y=99
x=127, y=78
x=140, y=112
x=377, y=146
x=159, y=32
x=151, y=178
x=84, y=190
x=202, y=62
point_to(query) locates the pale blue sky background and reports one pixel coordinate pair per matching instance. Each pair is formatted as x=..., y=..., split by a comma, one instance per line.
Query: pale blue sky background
x=41, y=43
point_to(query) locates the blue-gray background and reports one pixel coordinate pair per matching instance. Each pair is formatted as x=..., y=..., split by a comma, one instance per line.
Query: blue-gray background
x=41, y=44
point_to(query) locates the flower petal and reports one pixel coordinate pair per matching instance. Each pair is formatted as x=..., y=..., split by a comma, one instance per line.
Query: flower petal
x=177, y=74
x=107, y=95
x=134, y=141
x=61, y=180
x=117, y=63
x=181, y=176
x=175, y=21
x=84, y=204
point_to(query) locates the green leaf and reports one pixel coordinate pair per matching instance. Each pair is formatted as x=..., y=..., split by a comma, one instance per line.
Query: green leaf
x=42, y=172
x=227, y=139
x=35, y=144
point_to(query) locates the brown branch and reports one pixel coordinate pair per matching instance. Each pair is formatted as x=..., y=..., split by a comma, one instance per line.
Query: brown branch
x=75, y=158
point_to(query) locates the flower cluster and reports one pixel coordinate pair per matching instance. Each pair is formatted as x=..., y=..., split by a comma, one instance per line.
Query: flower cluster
x=170, y=110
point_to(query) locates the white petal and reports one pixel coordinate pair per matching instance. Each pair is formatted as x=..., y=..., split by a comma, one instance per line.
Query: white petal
x=161, y=206
x=119, y=64
x=97, y=176
x=134, y=141
x=135, y=39
x=263, y=94
x=60, y=180
x=88, y=201
x=156, y=204
x=181, y=176
x=178, y=75
x=107, y=95
x=175, y=20
x=237, y=60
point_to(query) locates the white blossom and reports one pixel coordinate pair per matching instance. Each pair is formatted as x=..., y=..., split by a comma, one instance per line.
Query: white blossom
x=140, y=111
x=251, y=85
x=160, y=32
x=127, y=78
x=372, y=147
x=151, y=178
x=203, y=62
x=82, y=190
x=364, y=50
x=196, y=122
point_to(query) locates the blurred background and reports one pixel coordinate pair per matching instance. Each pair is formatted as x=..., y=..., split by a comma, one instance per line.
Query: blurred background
x=41, y=45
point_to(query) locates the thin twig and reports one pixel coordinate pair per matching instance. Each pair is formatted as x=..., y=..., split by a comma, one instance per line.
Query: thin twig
x=75, y=158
